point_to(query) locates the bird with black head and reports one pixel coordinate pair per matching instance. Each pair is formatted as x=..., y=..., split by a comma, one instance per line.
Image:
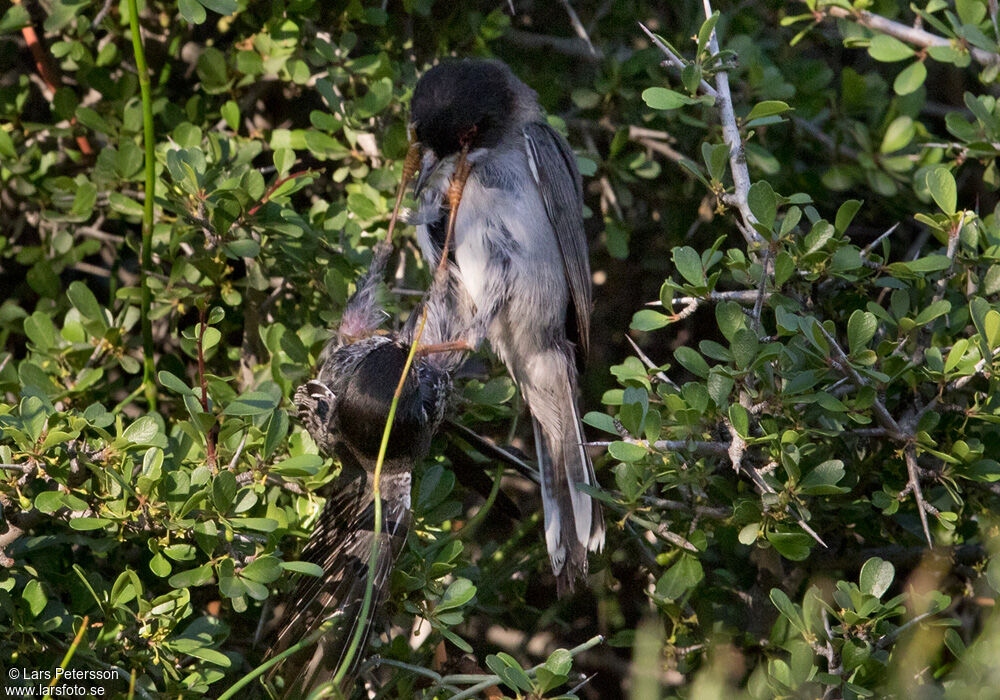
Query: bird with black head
x=520, y=269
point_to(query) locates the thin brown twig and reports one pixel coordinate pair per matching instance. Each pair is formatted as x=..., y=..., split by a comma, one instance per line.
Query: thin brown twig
x=274, y=187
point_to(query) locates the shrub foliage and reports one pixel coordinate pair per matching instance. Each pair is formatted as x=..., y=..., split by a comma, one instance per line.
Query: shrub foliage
x=795, y=232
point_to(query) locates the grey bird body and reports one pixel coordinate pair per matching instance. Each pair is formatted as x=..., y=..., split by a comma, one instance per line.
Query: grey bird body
x=521, y=277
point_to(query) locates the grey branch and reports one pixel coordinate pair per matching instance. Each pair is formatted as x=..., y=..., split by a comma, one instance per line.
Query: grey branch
x=911, y=35
x=731, y=133
x=742, y=296
x=717, y=449
x=578, y=27
x=570, y=46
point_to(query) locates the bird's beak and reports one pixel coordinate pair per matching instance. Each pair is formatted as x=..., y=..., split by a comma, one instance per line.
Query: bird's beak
x=429, y=165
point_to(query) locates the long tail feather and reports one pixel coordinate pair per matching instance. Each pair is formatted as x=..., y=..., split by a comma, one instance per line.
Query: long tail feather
x=573, y=521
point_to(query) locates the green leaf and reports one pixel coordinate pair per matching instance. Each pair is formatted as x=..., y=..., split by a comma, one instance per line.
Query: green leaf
x=174, y=383
x=744, y=347
x=213, y=70
x=941, y=184
x=740, y=419
x=823, y=479
x=910, y=78
x=705, y=33
x=788, y=609
x=888, y=49
x=715, y=156
x=40, y=330
x=84, y=524
x=252, y=403
x=688, y=263
x=284, y=159
x=876, y=577
x=793, y=546
x=897, y=136
x=191, y=577
x=263, y=569
x=929, y=313
x=223, y=7
x=680, y=578
x=14, y=19
x=626, y=451
x=192, y=11
x=224, y=488
x=460, y=592
x=730, y=317
x=930, y=263
x=143, y=431
x=845, y=214
x=302, y=567
x=34, y=596
x=861, y=327
x=230, y=111
x=691, y=361
x=85, y=301
x=662, y=98
x=646, y=320
x=559, y=662
x=298, y=466
x=767, y=108
x=763, y=203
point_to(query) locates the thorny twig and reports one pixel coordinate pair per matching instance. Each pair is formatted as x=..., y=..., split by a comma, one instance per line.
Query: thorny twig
x=731, y=134
x=741, y=296
x=893, y=428
x=578, y=27
x=649, y=363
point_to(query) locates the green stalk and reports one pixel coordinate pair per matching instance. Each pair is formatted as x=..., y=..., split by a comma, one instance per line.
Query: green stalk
x=146, y=252
x=307, y=642
x=72, y=650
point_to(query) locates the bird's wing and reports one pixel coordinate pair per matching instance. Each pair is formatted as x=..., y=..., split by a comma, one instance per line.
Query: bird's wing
x=553, y=166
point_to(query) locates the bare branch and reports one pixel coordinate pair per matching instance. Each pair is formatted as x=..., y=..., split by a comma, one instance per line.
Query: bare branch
x=881, y=412
x=731, y=134
x=570, y=46
x=742, y=296
x=914, y=485
x=871, y=246
x=649, y=363
x=578, y=27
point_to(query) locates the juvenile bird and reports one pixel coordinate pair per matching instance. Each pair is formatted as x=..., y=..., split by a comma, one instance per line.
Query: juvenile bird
x=345, y=409
x=521, y=277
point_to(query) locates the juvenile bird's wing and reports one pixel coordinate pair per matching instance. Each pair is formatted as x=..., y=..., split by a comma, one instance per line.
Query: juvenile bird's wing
x=553, y=166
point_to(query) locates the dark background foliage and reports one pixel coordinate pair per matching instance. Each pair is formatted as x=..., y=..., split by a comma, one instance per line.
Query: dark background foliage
x=800, y=479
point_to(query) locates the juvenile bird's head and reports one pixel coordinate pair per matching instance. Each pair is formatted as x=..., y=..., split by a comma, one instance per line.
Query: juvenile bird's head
x=461, y=103
x=364, y=402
